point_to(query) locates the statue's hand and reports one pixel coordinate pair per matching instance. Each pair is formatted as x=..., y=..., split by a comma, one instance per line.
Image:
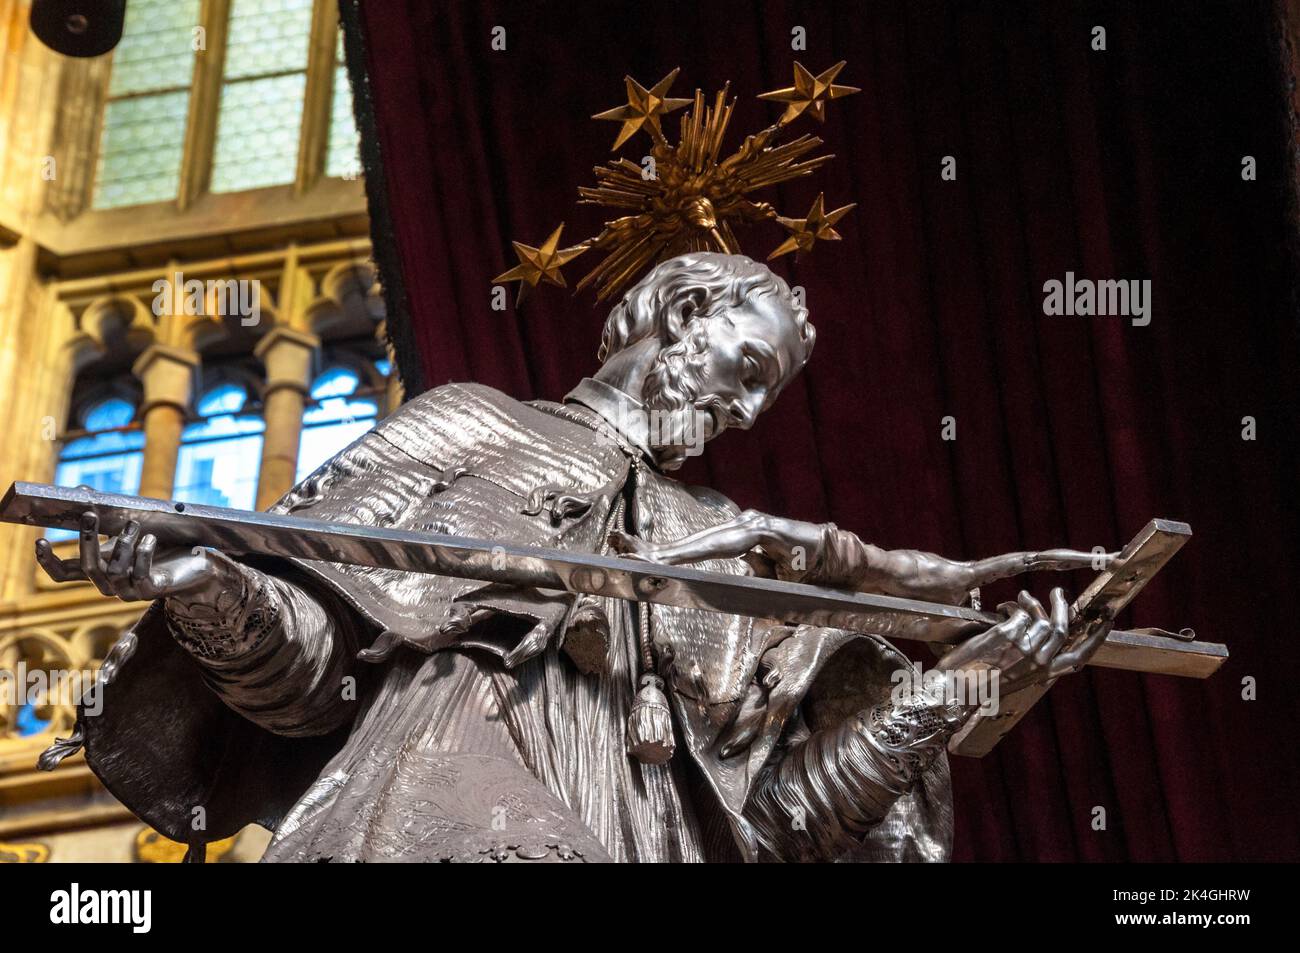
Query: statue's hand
x=1029, y=645
x=128, y=566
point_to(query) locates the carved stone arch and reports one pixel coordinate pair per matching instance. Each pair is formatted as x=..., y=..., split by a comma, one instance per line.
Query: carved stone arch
x=241, y=301
x=119, y=323
x=80, y=351
x=48, y=638
x=91, y=641
x=108, y=335
x=199, y=332
x=58, y=661
x=222, y=322
x=244, y=371
x=88, y=393
x=358, y=355
x=98, y=356
x=350, y=304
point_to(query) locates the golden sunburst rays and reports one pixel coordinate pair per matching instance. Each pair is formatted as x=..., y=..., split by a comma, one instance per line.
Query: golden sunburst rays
x=805, y=232
x=688, y=196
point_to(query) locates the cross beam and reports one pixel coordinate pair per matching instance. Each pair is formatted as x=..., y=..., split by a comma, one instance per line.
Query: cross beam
x=241, y=532
x=1109, y=593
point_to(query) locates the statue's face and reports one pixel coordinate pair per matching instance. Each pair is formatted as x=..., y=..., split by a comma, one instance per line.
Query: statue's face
x=727, y=369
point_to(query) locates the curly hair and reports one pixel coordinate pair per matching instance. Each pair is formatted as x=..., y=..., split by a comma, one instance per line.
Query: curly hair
x=690, y=286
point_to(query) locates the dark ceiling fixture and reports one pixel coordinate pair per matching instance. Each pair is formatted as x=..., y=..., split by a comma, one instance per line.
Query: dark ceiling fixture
x=78, y=27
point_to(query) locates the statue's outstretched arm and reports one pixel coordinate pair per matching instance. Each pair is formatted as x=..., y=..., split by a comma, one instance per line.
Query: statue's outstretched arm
x=826, y=555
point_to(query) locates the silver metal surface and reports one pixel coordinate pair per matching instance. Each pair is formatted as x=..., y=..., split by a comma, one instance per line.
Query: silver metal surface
x=470, y=522
x=242, y=532
x=1108, y=594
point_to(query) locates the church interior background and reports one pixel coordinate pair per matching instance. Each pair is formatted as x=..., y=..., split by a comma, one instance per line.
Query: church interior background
x=189, y=308
x=234, y=176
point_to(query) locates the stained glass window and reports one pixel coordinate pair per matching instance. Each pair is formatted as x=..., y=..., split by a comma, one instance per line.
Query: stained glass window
x=337, y=416
x=259, y=107
x=143, y=134
x=221, y=453
x=341, y=153
x=29, y=722
x=260, y=115
x=105, y=452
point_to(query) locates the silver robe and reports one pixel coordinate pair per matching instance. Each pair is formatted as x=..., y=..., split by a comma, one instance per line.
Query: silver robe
x=488, y=723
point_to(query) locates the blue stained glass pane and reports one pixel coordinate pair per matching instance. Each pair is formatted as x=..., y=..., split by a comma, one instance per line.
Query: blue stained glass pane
x=220, y=473
x=220, y=457
x=222, y=399
x=102, y=444
x=337, y=410
x=109, y=462
x=114, y=412
x=319, y=443
x=335, y=420
x=114, y=473
x=222, y=427
x=384, y=366
x=104, y=416
x=28, y=722
x=335, y=382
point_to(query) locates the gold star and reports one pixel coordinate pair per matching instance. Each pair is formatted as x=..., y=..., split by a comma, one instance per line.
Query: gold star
x=540, y=264
x=810, y=93
x=804, y=232
x=643, y=109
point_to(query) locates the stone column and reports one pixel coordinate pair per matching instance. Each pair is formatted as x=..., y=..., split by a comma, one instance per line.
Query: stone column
x=287, y=355
x=168, y=377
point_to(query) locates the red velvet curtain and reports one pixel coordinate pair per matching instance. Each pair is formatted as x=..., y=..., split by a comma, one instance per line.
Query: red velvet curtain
x=1122, y=163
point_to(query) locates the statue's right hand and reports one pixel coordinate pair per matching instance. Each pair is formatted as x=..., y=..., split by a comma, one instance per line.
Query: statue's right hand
x=128, y=566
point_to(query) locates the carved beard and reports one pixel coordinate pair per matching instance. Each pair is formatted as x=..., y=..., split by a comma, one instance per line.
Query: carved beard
x=681, y=420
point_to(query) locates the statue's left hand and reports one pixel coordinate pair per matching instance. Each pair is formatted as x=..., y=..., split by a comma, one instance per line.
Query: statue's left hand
x=1030, y=645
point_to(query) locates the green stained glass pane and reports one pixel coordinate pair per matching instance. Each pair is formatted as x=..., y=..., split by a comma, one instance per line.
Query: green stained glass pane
x=267, y=36
x=257, y=133
x=157, y=47
x=140, y=150
x=341, y=153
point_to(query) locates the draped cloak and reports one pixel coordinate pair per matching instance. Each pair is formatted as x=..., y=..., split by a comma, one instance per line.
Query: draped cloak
x=442, y=750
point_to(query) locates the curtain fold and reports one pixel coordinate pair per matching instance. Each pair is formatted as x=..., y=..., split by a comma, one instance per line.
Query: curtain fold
x=1117, y=164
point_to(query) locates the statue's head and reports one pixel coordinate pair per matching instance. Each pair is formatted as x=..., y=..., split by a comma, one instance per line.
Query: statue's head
x=728, y=336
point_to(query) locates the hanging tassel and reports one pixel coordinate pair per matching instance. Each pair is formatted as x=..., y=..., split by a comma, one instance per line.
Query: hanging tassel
x=650, y=723
x=649, y=736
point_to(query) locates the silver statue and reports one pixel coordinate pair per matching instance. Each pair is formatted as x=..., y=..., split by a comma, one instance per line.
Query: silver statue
x=377, y=714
